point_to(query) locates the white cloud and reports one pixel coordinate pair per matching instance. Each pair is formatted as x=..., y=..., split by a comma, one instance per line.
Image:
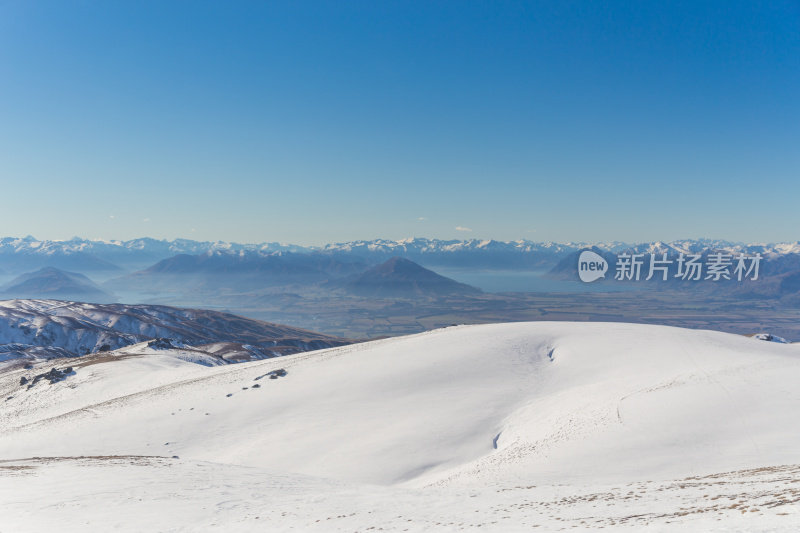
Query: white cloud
x=145, y=220
x=462, y=228
x=112, y=217
x=422, y=218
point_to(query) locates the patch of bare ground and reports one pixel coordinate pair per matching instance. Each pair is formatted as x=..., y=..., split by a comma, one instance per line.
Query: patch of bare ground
x=768, y=490
x=98, y=358
x=16, y=470
x=88, y=460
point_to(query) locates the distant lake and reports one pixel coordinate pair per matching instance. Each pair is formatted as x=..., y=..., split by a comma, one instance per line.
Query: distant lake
x=524, y=281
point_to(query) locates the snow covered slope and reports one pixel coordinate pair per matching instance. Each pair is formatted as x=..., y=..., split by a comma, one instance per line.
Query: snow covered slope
x=505, y=426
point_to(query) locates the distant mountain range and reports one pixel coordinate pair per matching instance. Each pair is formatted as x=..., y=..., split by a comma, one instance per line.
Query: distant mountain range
x=42, y=329
x=250, y=273
x=238, y=271
x=18, y=255
x=779, y=269
x=84, y=255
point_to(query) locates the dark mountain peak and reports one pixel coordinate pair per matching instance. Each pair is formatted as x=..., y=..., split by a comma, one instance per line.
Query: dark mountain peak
x=48, y=271
x=52, y=274
x=51, y=282
x=53, y=271
x=400, y=265
x=399, y=277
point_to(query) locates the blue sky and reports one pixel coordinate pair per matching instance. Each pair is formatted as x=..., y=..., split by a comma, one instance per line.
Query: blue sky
x=312, y=122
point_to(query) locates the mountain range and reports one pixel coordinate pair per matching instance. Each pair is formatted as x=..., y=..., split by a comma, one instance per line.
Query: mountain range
x=264, y=278
x=237, y=270
x=18, y=255
x=778, y=273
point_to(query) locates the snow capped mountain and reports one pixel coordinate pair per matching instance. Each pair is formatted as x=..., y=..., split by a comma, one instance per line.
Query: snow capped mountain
x=35, y=329
x=503, y=427
x=425, y=246
x=86, y=255
x=82, y=255
x=103, y=248
x=183, y=263
x=778, y=266
x=24, y=255
x=30, y=244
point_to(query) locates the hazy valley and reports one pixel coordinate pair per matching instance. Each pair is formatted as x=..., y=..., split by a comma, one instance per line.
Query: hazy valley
x=356, y=290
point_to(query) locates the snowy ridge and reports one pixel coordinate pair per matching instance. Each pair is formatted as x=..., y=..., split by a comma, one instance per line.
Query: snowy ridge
x=45, y=329
x=111, y=249
x=428, y=246
x=30, y=244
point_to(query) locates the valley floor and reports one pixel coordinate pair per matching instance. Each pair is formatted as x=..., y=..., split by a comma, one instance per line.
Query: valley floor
x=353, y=317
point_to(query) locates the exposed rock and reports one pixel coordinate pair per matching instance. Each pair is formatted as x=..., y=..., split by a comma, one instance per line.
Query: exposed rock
x=53, y=376
x=769, y=337
x=275, y=374
x=161, y=344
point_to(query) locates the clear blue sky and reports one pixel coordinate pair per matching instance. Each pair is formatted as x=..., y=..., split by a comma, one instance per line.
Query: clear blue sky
x=312, y=122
